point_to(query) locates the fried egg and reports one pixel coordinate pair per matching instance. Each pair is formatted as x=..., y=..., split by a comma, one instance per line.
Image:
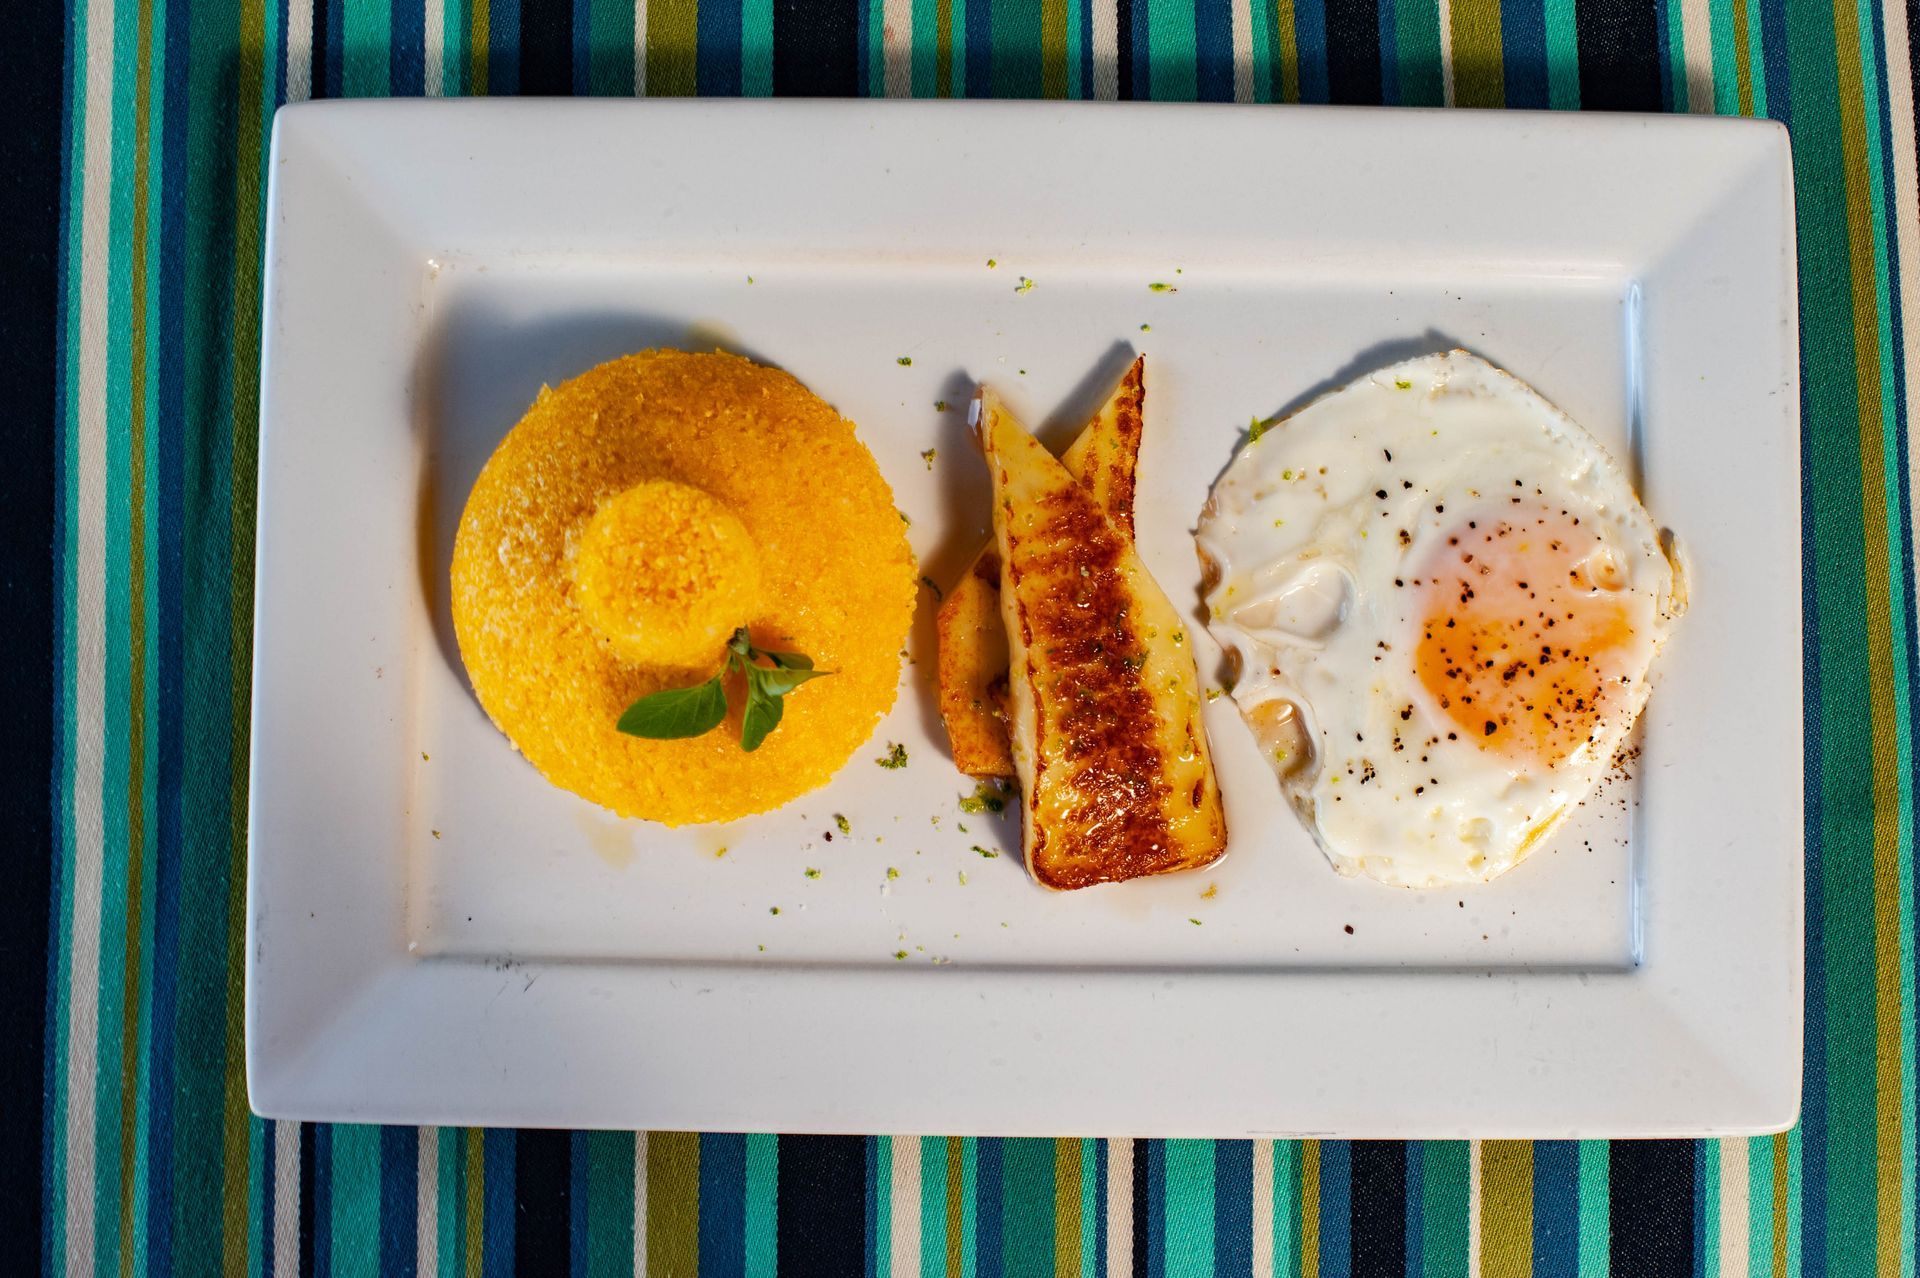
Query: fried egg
x=1442, y=599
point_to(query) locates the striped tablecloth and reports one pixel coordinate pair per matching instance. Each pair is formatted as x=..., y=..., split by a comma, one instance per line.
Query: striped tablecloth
x=131, y=187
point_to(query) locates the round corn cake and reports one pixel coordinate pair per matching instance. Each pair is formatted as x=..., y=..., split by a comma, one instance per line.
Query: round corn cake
x=633, y=518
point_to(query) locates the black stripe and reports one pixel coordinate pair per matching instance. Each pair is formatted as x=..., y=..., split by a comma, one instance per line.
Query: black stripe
x=542, y=1196
x=1651, y=1182
x=1353, y=52
x=822, y=1204
x=1142, y=1192
x=546, y=48
x=309, y=1188
x=322, y=16
x=816, y=45
x=31, y=151
x=1619, y=54
x=1123, y=46
x=1377, y=1208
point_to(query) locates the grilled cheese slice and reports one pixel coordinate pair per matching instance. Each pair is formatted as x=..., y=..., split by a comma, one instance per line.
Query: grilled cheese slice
x=1104, y=700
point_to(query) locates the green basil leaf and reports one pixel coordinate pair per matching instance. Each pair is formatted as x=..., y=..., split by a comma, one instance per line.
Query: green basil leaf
x=779, y=681
x=677, y=712
x=761, y=716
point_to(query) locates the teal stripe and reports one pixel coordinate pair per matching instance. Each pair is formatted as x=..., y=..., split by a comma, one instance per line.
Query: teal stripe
x=1595, y=1176
x=1286, y=1207
x=1756, y=55
x=355, y=1217
x=926, y=47
x=1188, y=1212
x=1170, y=49
x=1027, y=1216
x=756, y=48
x=1563, y=56
x=933, y=1205
x=1443, y=1211
x=449, y=1238
x=882, y=1207
x=1677, y=57
x=1090, y=1203
x=1077, y=37
x=876, y=49
x=610, y=65
x=366, y=34
x=1416, y=29
x=609, y=1202
x=762, y=1205
x=1261, y=39
x=1726, y=72
x=1016, y=48
x=1794, y=1199
x=1760, y=1206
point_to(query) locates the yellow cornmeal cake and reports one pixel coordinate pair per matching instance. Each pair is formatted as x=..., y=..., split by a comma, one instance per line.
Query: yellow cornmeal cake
x=637, y=515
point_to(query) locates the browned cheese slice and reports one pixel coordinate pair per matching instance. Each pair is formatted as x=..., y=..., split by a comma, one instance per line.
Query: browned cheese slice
x=1104, y=700
x=972, y=639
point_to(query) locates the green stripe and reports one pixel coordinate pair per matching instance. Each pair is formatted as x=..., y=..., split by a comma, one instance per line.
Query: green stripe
x=933, y=1206
x=762, y=1205
x=1416, y=28
x=609, y=1202
x=610, y=74
x=926, y=34
x=1563, y=56
x=1170, y=51
x=756, y=48
x=1596, y=1172
x=1726, y=77
x=355, y=1219
x=1027, y=1216
x=1016, y=48
x=366, y=34
x=1443, y=1210
x=1262, y=42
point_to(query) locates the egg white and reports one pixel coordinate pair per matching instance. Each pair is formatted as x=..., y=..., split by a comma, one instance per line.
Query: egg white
x=1312, y=539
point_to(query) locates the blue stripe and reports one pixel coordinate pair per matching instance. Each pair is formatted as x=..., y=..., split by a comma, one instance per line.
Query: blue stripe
x=579, y=1160
x=989, y=1205
x=1310, y=44
x=1523, y=41
x=1100, y=1218
x=1155, y=1208
x=407, y=51
x=717, y=73
x=1138, y=54
x=723, y=1204
x=1233, y=1207
x=1773, y=46
x=336, y=47
x=1336, y=1210
x=1661, y=34
x=503, y=72
x=319, y=1174
x=1086, y=47
x=1556, y=1207
x=1389, y=21
x=1416, y=1220
x=399, y=1198
x=979, y=50
x=497, y=1223
x=1213, y=50
x=583, y=68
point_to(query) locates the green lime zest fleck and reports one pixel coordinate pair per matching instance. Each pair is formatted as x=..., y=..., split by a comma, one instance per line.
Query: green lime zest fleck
x=773, y=909
x=991, y=263
x=1195, y=922
x=892, y=872
x=900, y=956
x=905, y=361
x=1403, y=383
x=1146, y=328
x=1024, y=286
x=988, y=853
x=1255, y=429
x=895, y=757
x=939, y=406
x=1161, y=286
x=928, y=455
x=812, y=873
x=846, y=826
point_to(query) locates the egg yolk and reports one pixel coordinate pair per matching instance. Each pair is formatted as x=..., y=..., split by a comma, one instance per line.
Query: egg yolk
x=1526, y=641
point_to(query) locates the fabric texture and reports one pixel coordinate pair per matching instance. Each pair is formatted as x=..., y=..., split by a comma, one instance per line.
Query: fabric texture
x=133, y=184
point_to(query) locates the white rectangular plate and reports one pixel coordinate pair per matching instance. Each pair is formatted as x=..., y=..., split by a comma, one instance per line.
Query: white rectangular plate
x=438, y=936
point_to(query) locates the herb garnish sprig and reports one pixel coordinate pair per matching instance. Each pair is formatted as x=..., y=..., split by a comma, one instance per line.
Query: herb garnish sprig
x=677, y=713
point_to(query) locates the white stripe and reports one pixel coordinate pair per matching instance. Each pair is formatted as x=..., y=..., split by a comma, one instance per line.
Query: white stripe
x=1262, y=1207
x=89, y=767
x=904, y=1197
x=1473, y=1202
x=286, y=1199
x=896, y=43
x=1243, y=50
x=1696, y=34
x=426, y=1205
x=1119, y=1206
x=639, y=91
x=299, y=44
x=1446, y=54
x=1907, y=235
x=640, y=1187
x=1105, y=30
x=433, y=82
x=1733, y=1209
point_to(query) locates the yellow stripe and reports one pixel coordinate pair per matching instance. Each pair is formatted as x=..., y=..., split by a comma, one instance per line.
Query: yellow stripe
x=956, y=1157
x=1506, y=1209
x=1742, y=57
x=1289, y=52
x=672, y=32
x=482, y=34
x=1053, y=49
x=943, y=49
x=1309, y=1208
x=131, y=994
x=1479, y=76
x=1873, y=504
x=1066, y=1208
x=673, y=1195
x=1780, y=1206
x=476, y=1196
